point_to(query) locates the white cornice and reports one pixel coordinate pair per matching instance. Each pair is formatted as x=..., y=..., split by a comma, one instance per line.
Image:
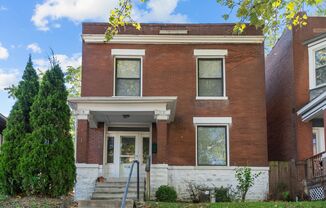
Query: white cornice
x=174, y=39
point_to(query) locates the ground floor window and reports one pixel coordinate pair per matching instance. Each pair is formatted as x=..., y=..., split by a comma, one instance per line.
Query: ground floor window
x=212, y=145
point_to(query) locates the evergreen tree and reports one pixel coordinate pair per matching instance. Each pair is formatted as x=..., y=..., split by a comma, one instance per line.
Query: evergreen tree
x=48, y=166
x=18, y=127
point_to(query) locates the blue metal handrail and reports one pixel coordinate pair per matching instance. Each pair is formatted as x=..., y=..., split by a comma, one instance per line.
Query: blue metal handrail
x=124, y=198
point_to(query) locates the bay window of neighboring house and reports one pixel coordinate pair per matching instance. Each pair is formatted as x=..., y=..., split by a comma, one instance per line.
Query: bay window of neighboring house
x=320, y=66
x=317, y=64
x=127, y=76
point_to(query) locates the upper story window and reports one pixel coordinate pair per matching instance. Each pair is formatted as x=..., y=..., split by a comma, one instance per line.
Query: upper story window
x=210, y=74
x=128, y=77
x=317, y=64
x=210, y=77
x=320, y=66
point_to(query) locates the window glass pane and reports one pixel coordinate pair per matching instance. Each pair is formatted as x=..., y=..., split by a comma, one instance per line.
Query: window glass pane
x=210, y=87
x=321, y=75
x=128, y=68
x=128, y=146
x=145, y=149
x=110, y=150
x=321, y=58
x=210, y=68
x=211, y=145
x=127, y=87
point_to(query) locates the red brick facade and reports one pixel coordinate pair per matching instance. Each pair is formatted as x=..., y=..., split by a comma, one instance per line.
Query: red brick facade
x=170, y=70
x=287, y=91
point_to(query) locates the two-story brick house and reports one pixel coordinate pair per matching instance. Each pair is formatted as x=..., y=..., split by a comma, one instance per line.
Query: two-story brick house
x=296, y=99
x=189, y=96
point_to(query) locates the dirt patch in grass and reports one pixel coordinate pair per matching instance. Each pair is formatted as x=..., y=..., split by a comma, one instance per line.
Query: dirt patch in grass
x=37, y=202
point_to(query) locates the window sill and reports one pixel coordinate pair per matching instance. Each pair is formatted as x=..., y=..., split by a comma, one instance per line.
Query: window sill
x=212, y=98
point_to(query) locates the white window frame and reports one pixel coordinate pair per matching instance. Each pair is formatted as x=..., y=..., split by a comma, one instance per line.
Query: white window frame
x=214, y=121
x=320, y=138
x=115, y=69
x=211, y=54
x=312, y=49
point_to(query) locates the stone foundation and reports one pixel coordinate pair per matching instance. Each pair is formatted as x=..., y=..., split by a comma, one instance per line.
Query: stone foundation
x=86, y=178
x=179, y=176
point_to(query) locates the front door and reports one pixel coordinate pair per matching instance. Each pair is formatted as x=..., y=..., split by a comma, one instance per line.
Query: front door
x=121, y=148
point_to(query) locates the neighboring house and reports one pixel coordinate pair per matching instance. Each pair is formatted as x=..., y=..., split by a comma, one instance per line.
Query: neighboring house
x=189, y=96
x=3, y=121
x=296, y=94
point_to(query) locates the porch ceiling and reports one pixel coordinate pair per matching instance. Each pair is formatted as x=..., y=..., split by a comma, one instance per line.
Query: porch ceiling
x=123, y=109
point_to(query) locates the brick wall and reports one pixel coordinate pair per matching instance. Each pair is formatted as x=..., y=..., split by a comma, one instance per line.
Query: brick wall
x=170, y=70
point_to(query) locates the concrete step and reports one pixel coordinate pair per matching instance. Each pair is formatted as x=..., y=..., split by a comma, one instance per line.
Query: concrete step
x=123, y=179
x=111, y=196
x=117, y=189
x=117, y=185
x=104, y=203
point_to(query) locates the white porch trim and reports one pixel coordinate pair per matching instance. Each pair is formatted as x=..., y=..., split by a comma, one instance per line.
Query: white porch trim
x=314, y=108
x=162, y=107
x=174, y=39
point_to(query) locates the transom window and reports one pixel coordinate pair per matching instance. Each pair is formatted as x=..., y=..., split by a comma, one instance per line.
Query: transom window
x=127, y=80
x=212, y=145
x=210, y=77
x=320, y=66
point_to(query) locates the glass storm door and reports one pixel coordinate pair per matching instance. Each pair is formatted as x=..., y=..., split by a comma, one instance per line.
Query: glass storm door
x=121, y=149
x=127, y=154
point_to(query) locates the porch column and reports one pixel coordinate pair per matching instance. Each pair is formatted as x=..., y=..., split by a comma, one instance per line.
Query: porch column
x=82, y=127
x=162, y=137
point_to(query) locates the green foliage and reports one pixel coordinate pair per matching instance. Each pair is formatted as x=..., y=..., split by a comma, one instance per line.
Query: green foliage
x=223, y=194
x=18, y=126
x=73, y=80
x=166, y=194
x=47, y=165
x=245, y=179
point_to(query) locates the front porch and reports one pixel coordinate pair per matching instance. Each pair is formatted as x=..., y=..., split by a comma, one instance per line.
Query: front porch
x=114, y=131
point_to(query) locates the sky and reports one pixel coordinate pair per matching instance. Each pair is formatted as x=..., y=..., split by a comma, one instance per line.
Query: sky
x=38, y=26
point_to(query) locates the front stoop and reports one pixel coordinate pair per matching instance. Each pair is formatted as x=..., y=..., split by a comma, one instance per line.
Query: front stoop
x=110, y=193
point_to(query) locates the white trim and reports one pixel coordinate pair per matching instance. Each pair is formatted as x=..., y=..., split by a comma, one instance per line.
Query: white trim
x=173, y=32
x=312, y=48
x=174, y=39
x=210, y=52
x=86, y=105
x=87, y=165
x=128, y=52
x=141, y=73
x=212, y=120
x=320, y=139
x=212, y=98
x=173, y=167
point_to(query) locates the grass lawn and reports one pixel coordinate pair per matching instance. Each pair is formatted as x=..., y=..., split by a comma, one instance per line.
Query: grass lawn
x=317, y=204
x=36, y=202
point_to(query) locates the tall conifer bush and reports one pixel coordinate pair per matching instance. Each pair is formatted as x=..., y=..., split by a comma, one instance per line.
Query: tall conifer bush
x=48, y=166
x=18, y=127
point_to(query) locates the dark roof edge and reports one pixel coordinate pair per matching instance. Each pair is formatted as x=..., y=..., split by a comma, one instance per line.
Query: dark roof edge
x=314, y=39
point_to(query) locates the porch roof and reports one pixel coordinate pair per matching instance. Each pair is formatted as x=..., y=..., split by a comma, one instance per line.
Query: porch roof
x=314, y=109
x=123, y=109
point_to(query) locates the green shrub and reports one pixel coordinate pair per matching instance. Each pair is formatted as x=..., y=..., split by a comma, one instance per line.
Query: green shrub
x=166, y=194
x=222, y=194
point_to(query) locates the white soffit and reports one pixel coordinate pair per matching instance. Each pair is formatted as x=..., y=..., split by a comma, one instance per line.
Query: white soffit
x=128, y=52
x=210, y=52
x=212, y=120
